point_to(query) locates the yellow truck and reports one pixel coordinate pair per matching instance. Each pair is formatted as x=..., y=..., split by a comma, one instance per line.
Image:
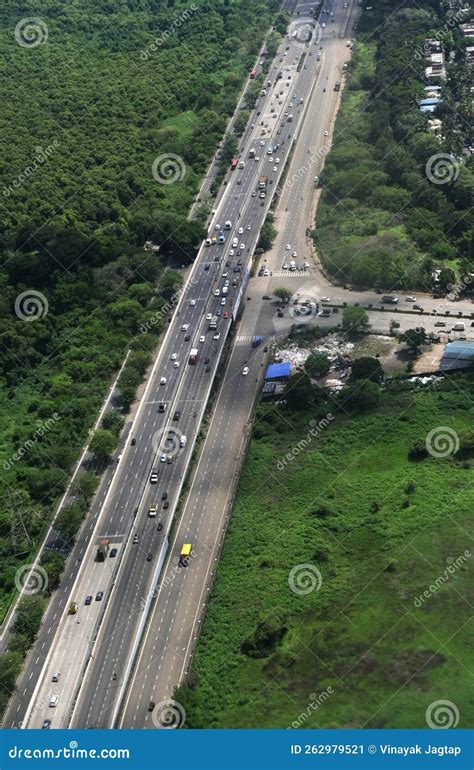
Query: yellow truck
x=185, y=555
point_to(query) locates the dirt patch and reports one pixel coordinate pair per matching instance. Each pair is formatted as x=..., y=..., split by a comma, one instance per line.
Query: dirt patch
x=429, y=359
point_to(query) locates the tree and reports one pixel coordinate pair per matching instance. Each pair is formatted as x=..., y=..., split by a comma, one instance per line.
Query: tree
x=113, y=422
x=53, y=563
x=447, y=279
x=69, y=520
x=317, y=364
x=28, y=617
x=367, y=368
x=355, y=321
x=283, y=294
x=414, y=338
x=394, y=325
x=361, y=397
x=267, y=236
x=102, y=445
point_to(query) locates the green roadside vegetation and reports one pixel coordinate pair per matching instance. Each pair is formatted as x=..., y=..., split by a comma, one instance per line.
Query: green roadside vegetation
x=343, y=485
x=93, y=94
x=384, y=221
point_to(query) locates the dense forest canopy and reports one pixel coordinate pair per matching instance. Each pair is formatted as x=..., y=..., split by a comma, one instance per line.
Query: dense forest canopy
x=94, y=93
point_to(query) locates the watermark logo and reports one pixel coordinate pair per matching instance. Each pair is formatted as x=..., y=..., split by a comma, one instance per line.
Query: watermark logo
x=304, y=30
x=304, y=579
x=442, y=715
x=168, y=715
x=442, y=168
x=315, y=428
x=441, y=580
x=315, y=154
x=31, y=32
x=31, y=305
x=442, y=442
x=31, y=579
x=29, y=443
x=180, y=17
x=42, y=154
x=168, y=168
x=316, y=700
x=168, y=441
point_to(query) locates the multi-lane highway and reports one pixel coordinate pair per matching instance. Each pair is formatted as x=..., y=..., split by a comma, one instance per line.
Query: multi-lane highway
x=105, y=634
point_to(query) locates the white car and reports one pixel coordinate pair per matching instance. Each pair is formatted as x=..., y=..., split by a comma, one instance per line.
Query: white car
x=231, y=253
x=208, y=318
x=163, y=459
x=248, y=227
x=202, y=338
x=277, y=160
x=245, y=370
x=217, y=227
x=184, y=327
x=192, y=302
x=275, y=168
x=174, y=356
x=326, y=133
x=217, y=336
x=217, y=292
x=163, y=381
x=242, y=246
x=325, y=299
x=176, y=364
x=262, y=143
x=294, y=254
x=288, y=247
x=241, y=230
x=266, y=273
x=226, y=282
x=284, y=266
x=223, y=301
x=410, y=299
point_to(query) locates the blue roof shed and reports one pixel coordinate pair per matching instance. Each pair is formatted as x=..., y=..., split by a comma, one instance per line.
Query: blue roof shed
x=278, y=371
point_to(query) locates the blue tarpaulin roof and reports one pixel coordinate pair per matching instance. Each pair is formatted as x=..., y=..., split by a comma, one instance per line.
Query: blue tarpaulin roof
x=276, y=371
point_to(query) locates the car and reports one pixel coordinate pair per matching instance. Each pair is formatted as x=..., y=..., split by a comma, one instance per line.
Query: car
x=237, y=269
x=417, y=307
x=242, y=247
x=166, y=505
x=98, y=596
x=217, y=227
x=162, y=380
x=162, y=458
x=266, y=273
x=288, y=247
x=202, y=339
x=223, y=301
x=326, y=133
x=151, y=705
x=208, y=316
x=284, y=266
x=184, y=327
x=262, y=143
x=248, y=227
x=245, y=370
x=174, y=356
x=161, y=407
x=88, y=600
x=177, y=415
x=206, y=360
x=325, y=299
x=267, y=296
x=218, y=311
x=225, y=274
x=169, y=459
x=153, y=477
x=238, y=253
x=217, y=292
x=410, y=299
x=443, y=323
x=207, y=266
x=208, y=368
x=226, y=315
x=149, y=556
x=46, y=724
x=254, y=194
x=274, y=168
x=294, y=254
x=241, y=230
x=113, y=553
x=152, y=510
x=136, y=538
x=192, y=302
x=231, y=253
x=133, y=441
x=187, y=337
x=280, y=314
x=217, y=336
x=176, y=365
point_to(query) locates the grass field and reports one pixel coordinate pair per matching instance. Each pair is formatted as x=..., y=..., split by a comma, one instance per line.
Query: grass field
x=374, y=530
